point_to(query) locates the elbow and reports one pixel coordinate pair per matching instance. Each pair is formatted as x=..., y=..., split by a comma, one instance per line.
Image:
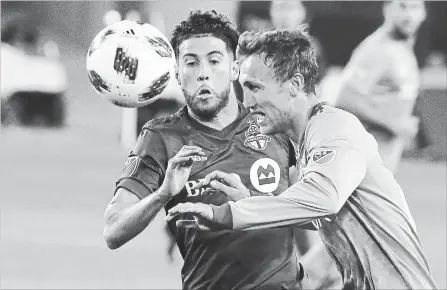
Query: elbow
x=333, y=203
x=111, y=239
x=113, y=245
x=333, y=207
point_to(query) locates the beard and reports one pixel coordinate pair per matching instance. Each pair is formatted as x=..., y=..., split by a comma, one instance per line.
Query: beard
x=207, y=110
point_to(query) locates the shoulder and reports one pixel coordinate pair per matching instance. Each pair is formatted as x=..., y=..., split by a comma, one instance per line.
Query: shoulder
x=375, y=48
x=158, y=136
x=176, y=120
x=332, y=124
x=338, y=120
x=160, y=131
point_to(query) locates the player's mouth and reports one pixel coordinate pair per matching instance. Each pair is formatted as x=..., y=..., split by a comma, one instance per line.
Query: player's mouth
x=204, y=93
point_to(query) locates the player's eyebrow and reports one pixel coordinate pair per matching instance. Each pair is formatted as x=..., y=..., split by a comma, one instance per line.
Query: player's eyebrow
x=214, y=52
x=189, y=55
x=249, y=82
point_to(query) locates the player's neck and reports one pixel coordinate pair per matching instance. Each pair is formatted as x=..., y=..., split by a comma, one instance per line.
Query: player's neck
x=300, y=120
x=224, y=118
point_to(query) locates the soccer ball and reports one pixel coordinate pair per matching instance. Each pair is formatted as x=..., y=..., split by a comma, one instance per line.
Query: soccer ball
x=130, y=63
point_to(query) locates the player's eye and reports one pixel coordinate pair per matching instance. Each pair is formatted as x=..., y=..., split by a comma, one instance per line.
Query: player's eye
x=214, y=61
x=191, y=63
x=251, y=87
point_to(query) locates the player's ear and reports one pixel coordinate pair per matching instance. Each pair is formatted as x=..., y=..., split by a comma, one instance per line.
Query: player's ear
x=296, y=84
x=234, y=70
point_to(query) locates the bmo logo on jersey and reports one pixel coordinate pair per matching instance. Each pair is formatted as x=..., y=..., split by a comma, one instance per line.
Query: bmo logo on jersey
x=265, y=174
x=195, y=192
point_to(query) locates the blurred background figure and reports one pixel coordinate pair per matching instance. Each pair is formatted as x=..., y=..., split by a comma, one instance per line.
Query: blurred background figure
x=290, y=14
x=262, y=15
x=253, y=15
x=33, y=79
x=380, y=83
x=287, y=14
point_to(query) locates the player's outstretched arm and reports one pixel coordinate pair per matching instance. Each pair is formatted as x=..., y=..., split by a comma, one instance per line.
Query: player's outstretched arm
x=335, y=170
x=127, y=215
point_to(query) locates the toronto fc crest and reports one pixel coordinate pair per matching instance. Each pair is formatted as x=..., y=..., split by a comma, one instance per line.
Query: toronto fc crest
x=254, y=139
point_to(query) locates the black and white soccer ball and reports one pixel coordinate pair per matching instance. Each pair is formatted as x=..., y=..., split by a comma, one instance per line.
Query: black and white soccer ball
x=130, y=63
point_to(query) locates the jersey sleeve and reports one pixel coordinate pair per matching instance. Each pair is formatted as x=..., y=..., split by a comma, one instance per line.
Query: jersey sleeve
x=334, y=170
x=145, y=167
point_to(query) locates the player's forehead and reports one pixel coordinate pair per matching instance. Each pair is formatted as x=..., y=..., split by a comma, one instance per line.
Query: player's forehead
x=202, y=45
x=254, y=69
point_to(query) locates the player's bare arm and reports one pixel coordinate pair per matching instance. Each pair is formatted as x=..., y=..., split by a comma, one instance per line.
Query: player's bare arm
x=127, y=215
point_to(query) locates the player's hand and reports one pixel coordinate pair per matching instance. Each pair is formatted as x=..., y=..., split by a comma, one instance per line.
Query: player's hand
x=228, y=183
x=203, y=215
x=179, y=168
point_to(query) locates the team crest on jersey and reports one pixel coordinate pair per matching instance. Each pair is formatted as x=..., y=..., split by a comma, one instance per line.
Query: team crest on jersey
x=324, y=156
x=254, y=139
x=131, y=165
x=265, y=175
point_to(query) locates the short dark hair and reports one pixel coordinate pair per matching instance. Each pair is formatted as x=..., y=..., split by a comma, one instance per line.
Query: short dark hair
x=286, y=51
x=205, y=22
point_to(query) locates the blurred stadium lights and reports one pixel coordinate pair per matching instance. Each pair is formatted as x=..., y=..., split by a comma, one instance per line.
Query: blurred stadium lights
x=111, y=17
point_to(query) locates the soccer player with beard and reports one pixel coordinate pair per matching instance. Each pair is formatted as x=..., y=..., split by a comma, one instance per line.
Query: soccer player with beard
x=212, y=132
x=380, y=83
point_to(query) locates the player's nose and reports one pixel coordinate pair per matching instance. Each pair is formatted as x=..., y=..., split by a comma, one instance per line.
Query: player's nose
x=204, y=72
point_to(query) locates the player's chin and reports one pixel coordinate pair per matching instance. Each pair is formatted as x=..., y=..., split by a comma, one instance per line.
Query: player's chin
x=205, y=110
x=267, y=129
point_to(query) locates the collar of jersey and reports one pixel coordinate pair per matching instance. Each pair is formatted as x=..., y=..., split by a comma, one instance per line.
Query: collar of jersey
x=315, y=110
